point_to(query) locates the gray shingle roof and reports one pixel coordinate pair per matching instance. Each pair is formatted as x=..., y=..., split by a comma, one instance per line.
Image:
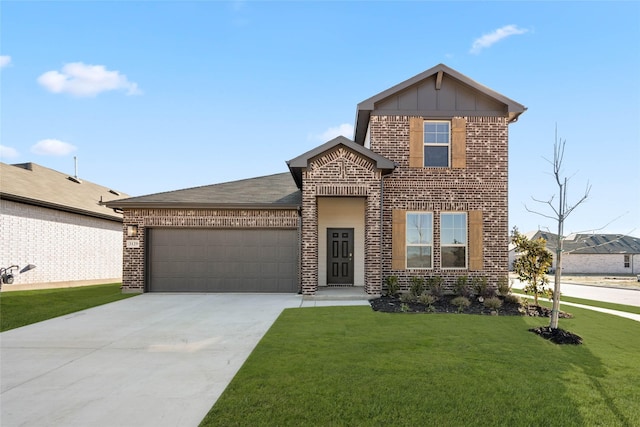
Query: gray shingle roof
x=37, y=185
x=590, y=243
x=277, y=191
x=601, y=244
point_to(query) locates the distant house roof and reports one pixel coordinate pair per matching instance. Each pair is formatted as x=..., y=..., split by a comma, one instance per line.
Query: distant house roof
x=601, y=244
x=37, y=185
x=589, y=243
x=302, y=161
x=422, y=95
x=277, y=191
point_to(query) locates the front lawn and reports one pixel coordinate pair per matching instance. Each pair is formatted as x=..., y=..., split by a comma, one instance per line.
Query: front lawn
x=20, y=308
x=339, y=366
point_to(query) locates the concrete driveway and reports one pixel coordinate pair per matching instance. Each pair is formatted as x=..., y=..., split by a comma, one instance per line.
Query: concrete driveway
x=152, y=360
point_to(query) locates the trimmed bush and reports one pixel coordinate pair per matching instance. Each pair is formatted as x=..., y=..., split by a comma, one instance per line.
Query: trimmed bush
x=461, y=303
x=417, y=286
x=392, y=285
x=427, y=299
x=493, y=303
x=504, y=287
x=435, y=286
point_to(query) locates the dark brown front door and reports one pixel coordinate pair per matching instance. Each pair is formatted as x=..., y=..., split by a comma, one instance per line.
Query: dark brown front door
x=340, y=256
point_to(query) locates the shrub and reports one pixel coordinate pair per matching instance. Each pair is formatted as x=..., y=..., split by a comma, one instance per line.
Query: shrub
x=481, y=287
x=462, y=287
x=407, y=297
x=435, y=286
x=493, y=303
x=478, y=285
x=417, y=286
x=427, y=299
x=392, y=285
x=504, y=287
x=461, y=303
x=512, y=299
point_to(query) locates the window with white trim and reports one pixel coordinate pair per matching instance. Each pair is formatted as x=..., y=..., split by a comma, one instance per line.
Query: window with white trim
x=453, y=239
x=419, y=238
x=627, y=261
x=437, y=143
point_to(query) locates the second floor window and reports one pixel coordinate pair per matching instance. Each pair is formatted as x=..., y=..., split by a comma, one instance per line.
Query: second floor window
x=437, y=143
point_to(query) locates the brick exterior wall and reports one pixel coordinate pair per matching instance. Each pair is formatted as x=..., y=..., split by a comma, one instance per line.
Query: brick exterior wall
x=67, y=249
x=482, y=185
x=343, y=173
x=134, y=268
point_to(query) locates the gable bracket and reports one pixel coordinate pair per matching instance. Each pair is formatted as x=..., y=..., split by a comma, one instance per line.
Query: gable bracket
x=439, y=80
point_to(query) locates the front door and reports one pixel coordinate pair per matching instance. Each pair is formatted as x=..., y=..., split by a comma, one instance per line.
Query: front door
x=340, y=256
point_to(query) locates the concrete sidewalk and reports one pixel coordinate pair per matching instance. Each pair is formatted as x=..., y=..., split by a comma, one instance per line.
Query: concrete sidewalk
x=598, y=293
x=595, y=293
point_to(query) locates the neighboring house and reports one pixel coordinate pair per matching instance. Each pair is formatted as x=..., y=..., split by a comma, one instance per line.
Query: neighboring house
x=592, y=253
x=420, y=191
x=57, y=223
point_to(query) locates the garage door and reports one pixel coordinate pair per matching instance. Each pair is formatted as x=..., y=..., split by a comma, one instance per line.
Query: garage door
x=206, y=260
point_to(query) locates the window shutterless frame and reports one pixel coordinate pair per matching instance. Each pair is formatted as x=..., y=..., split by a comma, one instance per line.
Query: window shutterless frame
x=454, y=252
x=437, y=143
x=419, y=240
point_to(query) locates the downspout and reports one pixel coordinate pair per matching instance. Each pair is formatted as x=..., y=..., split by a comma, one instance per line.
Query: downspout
x=300, y=250
x=381, y=228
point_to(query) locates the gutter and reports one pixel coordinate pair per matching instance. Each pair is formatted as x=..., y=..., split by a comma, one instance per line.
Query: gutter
x=199, y=205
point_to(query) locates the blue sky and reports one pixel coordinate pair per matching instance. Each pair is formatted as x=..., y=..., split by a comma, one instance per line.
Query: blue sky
x=154, y=96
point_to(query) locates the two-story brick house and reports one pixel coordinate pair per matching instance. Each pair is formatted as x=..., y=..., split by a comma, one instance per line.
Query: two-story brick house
x=421, y=190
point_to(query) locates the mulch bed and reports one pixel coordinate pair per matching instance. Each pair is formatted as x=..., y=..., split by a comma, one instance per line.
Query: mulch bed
x=558, y=336
x=389, y=304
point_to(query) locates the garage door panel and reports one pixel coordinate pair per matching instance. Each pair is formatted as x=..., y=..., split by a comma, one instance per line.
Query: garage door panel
x=210, y=260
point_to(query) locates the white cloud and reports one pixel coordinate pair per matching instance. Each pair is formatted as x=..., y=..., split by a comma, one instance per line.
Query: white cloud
x=4, y=60
x=81, y=79
x=490, y=39
x=344, y=129
x=52, y=147
x=8, y=152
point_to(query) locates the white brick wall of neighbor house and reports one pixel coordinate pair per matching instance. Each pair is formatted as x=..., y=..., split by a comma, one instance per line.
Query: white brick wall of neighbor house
x=67, y=249
x=601, y=263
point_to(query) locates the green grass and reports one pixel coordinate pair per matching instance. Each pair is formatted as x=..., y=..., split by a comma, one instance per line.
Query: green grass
x=339, y=366
x=20, y=308
x=593, y=303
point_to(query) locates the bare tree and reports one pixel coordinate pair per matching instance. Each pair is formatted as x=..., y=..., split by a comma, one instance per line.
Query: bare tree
x=561, y=210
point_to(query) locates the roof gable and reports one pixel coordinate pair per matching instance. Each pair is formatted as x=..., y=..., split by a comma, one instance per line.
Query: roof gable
x=437, y=92
x=40, y=186
x=302, y=161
